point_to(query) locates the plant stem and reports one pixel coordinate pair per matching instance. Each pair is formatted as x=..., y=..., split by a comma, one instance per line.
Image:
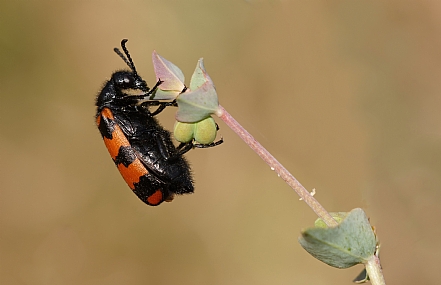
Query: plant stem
x=373, y=268
x=276, y=166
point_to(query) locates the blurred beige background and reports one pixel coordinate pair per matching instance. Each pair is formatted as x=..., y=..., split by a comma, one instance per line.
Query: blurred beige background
x=346, y=94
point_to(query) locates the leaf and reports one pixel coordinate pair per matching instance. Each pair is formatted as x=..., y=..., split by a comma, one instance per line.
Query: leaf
x=201, y=100
x=164, y=95
x=200, y=76
x=351, y=242
x=198, y=104
x=363, y=277
x=172, y=77
x=338, y=216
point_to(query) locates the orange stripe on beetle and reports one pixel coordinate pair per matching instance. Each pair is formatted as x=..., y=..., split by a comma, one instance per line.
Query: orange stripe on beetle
x=155, y=198
x=118, y=140
x=133, y=172
x=107, y=113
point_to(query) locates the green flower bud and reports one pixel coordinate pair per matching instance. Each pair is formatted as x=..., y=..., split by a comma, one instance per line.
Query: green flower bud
x=183, y=132
x=205, y=131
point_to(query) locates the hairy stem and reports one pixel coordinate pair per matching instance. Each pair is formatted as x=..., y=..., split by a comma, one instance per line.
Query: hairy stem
x=373, y=268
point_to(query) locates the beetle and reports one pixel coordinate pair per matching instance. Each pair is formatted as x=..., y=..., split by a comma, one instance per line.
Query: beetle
x=142, y=150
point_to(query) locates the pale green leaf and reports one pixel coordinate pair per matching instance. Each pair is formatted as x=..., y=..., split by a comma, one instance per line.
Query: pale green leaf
x=351, y=242
x=196, y=105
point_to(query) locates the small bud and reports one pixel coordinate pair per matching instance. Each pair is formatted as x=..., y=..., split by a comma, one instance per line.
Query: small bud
x=184, y=132
x=205, y=131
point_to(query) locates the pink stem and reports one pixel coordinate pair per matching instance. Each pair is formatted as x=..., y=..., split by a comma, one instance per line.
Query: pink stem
x=274, y=164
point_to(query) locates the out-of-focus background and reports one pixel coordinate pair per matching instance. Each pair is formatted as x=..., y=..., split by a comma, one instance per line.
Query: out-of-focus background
x=346, y=94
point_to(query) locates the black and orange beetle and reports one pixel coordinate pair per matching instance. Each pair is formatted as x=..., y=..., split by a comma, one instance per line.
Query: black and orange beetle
x=153, y=167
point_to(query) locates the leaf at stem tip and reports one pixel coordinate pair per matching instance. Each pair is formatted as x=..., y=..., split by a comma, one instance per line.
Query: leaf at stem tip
x=351, y=242
x=172, y=77
x=198, y=104
x=200, y=76
x=201, y=100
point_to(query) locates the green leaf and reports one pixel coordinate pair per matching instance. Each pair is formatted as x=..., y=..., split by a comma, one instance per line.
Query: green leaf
x=200, y=76
x=164, y=95
x=198, y=104
x=194, y=105
x=363, y=277
x=351, y=242
x=338, y=216
x=201, y=100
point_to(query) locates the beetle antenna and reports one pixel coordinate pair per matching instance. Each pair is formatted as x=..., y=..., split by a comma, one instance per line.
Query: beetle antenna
x=127, y=58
